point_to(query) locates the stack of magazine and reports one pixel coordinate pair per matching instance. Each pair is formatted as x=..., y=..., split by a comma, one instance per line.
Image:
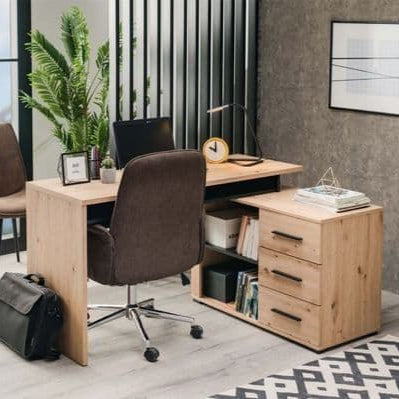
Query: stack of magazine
x=332, y=198
x=247, y=293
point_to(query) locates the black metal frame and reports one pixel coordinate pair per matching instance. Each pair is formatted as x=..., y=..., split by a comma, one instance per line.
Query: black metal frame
x=331, y=62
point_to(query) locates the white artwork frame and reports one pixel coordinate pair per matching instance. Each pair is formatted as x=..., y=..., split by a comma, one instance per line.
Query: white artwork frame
x=364, y=67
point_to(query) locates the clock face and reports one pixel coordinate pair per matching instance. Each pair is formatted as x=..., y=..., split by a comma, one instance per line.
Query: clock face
x=215, y=150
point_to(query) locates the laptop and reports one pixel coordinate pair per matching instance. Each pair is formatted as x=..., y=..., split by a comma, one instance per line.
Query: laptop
x=142, y=136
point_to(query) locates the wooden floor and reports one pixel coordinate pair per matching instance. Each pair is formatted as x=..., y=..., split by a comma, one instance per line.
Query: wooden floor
x=231, y=352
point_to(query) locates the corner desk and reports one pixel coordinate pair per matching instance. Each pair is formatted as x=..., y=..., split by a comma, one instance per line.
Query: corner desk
x=57, y=233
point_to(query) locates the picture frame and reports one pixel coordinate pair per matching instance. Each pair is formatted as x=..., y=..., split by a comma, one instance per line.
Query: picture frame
x=75, y=168
x=364, y=67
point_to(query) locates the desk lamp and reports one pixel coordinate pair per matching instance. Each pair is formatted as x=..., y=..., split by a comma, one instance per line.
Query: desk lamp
x=238, y=159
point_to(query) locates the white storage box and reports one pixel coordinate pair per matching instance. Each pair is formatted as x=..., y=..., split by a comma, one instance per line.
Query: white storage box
x=222, y=227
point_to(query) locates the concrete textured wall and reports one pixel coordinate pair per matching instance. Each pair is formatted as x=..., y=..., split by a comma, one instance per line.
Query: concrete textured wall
x=295, y=123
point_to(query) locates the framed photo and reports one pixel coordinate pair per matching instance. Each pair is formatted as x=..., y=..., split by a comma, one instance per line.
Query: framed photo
x=364, y=67
x=75, y=168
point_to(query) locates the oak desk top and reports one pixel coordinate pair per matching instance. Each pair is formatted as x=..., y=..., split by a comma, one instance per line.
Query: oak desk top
x=96, y=193
x=283, y=202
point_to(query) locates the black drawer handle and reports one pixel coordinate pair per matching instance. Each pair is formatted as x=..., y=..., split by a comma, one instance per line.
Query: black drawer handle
x=286, y=275
x=289, y=316
x=286, y=235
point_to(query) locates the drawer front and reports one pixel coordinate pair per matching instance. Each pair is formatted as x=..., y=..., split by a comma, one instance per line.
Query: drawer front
x=291, y=236
x=294, y=318
x=289, y=275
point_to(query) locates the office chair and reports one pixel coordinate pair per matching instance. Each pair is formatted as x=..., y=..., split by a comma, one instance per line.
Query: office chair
x=12, y=181
x=138, y=137
x=156, y=231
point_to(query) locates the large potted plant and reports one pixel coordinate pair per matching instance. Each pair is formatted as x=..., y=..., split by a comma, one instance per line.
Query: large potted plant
x=75, y=103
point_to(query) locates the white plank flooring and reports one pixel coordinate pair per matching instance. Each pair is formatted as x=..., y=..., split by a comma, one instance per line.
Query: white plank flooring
x=231, y=352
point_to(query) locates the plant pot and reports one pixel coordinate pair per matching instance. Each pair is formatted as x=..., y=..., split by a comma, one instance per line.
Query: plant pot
x=108, y=176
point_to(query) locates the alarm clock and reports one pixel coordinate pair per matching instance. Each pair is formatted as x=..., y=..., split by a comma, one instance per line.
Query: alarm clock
x=215, y=150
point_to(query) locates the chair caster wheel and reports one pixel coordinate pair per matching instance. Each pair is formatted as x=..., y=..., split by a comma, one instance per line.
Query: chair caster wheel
x=196, y=331
x=151, y=354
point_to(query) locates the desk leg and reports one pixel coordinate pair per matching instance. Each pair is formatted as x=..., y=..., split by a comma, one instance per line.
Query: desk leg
x=57, y=248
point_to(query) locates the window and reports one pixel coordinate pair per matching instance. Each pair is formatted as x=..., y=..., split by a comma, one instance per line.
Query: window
x=14, y=68
x=8, y=63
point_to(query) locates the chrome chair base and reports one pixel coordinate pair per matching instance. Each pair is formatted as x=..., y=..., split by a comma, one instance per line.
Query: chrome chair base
x=133, y=312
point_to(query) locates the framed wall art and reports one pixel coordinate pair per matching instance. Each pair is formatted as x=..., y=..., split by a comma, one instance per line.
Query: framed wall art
x=364, y=67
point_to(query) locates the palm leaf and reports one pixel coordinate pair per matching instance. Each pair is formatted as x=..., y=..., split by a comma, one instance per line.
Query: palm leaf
x=102, y=60
x=75, y=35
x=30, y=102
x=58, y=129
x=52, y=91
x=47, y=56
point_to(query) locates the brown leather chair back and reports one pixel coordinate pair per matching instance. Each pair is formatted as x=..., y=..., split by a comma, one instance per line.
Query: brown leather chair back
x=12, y=167
x=157, y=224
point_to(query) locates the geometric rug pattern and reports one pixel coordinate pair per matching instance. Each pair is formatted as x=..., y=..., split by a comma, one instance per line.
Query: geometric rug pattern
x=367, y=371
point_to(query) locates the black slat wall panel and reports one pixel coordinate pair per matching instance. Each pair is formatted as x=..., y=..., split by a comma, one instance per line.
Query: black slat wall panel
x=216, y=66
x=158, y=90
x=239, y=74
x=131, y=60
x=197, y=54
x=145, y=59
x=153, y=73
x=179, y=74
x=251, y=78
x=203, y=71
x=191, y=75
x=228, y=70
x=166, y=54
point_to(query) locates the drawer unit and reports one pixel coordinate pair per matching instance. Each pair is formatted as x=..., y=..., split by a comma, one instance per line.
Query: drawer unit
x=291, y=236
x=292, y=317
x=290, y=275
x=319, y=272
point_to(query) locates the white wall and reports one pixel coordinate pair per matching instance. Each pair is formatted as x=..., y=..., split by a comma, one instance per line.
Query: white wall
x=46, y=16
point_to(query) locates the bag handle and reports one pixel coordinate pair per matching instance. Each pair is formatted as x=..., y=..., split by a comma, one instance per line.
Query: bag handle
x=35, y=278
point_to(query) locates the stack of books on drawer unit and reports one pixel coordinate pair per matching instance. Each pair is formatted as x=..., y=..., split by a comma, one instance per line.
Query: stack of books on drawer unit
x=247, y=293
x=335, y=199
x=248, y=237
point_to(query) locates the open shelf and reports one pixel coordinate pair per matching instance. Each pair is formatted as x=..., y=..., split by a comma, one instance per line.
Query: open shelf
x=230, y=252
x=228, y=308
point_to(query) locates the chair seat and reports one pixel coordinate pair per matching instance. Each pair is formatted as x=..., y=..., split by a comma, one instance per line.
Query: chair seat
x=13, y=205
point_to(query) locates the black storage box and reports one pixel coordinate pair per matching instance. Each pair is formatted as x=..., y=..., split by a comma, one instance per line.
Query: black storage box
x=220, y=281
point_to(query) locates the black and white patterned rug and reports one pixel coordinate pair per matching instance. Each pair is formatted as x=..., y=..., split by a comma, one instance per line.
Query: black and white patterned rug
x=368, y=371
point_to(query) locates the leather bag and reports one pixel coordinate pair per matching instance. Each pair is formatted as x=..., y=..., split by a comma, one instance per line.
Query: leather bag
x=30, y=316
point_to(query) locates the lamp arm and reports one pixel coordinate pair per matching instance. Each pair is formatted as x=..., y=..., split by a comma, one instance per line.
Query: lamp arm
x=252, y=130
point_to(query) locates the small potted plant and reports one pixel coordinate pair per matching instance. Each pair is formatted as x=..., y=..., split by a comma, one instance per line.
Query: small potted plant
x=108, y=170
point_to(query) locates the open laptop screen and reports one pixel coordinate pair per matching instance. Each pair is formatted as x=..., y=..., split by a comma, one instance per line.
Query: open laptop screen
x=139, y=137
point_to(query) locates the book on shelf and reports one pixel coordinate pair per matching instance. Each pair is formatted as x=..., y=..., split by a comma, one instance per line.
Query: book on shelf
x=247, y=293
x=241, y=234
x=248, y=239
x=334, y=199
